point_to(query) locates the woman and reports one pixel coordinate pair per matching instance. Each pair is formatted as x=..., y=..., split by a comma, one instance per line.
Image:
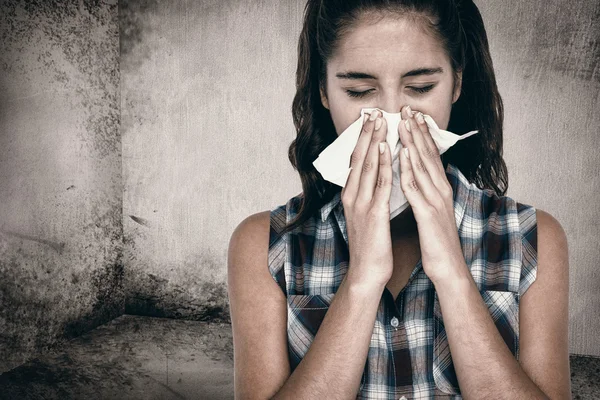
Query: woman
x=463, y=294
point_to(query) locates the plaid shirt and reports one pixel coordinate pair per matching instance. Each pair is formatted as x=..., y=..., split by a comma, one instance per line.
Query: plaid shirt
x=408, y=355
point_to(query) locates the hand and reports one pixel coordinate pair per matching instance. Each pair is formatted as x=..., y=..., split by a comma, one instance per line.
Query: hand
x=366, y=200
x=426, y=187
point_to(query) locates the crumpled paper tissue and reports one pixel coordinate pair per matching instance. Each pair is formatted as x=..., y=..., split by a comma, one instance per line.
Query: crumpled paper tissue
x=333, y=163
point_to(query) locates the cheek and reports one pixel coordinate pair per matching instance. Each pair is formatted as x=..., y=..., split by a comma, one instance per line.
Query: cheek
x=438, y=108
x=343, y=116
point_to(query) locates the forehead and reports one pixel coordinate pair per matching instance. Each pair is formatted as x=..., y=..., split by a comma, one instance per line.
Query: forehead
x=397, y=43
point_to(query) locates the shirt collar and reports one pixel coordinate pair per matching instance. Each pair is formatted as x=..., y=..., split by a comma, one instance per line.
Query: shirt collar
x=330, y=205
x=460, y=194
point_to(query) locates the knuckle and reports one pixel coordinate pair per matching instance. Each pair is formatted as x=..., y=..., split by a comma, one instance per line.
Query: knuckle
x=382, y=182
x=355, y=158
x=367, y=166
x=412, y=185
x=431, y=153
x=421, y=166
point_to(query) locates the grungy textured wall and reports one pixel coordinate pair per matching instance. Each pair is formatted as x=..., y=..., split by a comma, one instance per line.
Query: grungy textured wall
x=206, y=97
x=61, y=270
x=206, y=93
x=547, y=63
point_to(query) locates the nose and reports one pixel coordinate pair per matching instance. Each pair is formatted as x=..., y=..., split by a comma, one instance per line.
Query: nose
x=392, y=103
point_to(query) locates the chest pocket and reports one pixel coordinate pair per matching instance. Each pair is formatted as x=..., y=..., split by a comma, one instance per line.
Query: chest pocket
x=305, y=315
x=504, y=310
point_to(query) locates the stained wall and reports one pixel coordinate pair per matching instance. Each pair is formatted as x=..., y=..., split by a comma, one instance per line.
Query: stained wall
x=547, y=60
x=206, y=103
x=206, y=94
x=61, y=269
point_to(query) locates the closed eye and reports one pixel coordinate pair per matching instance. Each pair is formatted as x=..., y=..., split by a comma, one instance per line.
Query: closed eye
x=423, y=89
x=352, y=93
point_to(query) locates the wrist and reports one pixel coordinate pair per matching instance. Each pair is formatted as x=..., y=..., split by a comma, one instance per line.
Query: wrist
x=458, y=278
x=363, y=287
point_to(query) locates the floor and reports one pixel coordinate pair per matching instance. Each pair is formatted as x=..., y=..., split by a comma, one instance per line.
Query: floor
x=135, y=357
x=132, y=357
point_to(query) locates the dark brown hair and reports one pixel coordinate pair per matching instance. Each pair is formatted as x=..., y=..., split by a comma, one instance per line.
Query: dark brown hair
x=459, y=27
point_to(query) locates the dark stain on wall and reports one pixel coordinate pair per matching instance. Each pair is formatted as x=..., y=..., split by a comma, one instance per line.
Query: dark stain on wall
x=153, y=296
x=140, y=220
x=87, y=35
x=567, y=43
x=57, y=246
x=133, y=24
x=53, y=288
x=107, y=285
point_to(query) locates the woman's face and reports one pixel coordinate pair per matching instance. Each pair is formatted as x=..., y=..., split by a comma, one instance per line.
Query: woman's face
x=386, y=61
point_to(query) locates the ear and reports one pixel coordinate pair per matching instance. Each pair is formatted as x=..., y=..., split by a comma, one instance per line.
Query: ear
x=457, y=87
x=323, y=98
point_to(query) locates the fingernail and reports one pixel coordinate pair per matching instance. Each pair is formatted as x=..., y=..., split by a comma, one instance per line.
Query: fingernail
x=408, y=110
x=378, y=123
x=381, y=147
x=367, y=115
x=420, y=117
x=374, y=115
x=407, y=124
x=406, y=152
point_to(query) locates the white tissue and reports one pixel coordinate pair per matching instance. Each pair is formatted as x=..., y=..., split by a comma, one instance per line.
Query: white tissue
x=334, y=161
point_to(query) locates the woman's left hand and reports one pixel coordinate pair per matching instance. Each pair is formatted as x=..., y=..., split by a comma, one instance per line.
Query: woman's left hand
x=426, y=187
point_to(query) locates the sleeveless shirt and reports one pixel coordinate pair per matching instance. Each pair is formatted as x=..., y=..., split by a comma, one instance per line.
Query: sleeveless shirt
x=409, y=355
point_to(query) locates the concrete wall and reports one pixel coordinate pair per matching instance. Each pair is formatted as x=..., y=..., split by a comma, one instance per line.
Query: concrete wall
x=207, y=92
x=205, y=101
x=547, y=62
x=61, y=270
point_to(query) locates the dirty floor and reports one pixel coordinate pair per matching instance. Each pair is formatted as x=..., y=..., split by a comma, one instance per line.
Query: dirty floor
x=135, y=357
x=132, y=357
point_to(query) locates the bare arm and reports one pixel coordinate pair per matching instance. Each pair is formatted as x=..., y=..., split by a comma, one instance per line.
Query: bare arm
x=484, y=365
x=332, y=367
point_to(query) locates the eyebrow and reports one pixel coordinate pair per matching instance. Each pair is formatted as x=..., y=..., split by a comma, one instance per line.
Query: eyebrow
x=361, y=75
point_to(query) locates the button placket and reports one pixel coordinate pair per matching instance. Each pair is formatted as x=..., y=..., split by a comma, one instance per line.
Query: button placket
x=395, y=322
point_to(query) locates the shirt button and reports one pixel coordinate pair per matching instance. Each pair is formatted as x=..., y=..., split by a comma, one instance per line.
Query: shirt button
x=395, y=324
x=402, y=398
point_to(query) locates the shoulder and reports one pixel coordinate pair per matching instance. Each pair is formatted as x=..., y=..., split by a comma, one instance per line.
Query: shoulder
x=553, y=251
x=550, y=230
x=254, y=241
x=248, y=248
x=251, y=236
x=545, y=253
x=248, y=270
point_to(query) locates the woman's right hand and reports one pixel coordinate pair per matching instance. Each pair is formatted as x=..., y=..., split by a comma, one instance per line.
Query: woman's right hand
x=366, y=201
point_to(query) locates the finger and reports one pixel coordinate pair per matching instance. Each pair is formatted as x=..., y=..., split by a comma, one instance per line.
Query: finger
x=356, y=160
x=370, y=167
x=427, y=153
x=430, y=154
x=419, y=169
x=409, y=184
x=432, y=150
x=383, y=188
